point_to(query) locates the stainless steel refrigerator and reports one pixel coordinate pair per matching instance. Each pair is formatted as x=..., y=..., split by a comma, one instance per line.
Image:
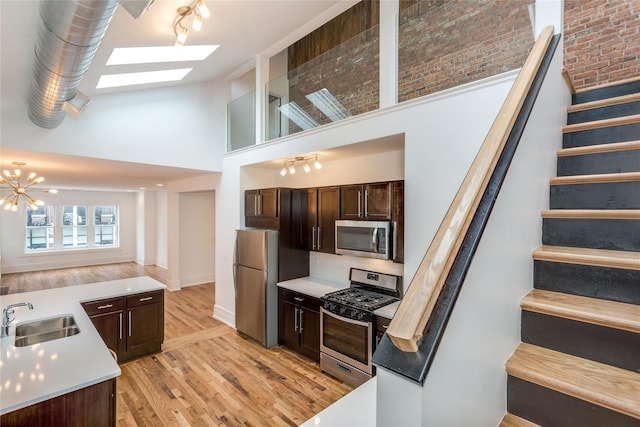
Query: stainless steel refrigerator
x=255, y=276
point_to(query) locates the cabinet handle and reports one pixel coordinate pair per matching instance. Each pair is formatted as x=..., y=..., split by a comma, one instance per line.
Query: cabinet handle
x=129, y=322
x=120, y=324
x=298, y=299
x=146, y=299
x=260, y=204
x=102, y=307
x=359, y=204
x=313, y=239
x=301, y=313
x=255, y=205
x=295, y=319
x=319, y=245
x=385, y=326
x=366, y=203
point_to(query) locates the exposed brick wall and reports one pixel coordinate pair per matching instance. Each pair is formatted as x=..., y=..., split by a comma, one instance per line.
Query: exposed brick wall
x=601, y=40
x=349, y=71
x=446, y=43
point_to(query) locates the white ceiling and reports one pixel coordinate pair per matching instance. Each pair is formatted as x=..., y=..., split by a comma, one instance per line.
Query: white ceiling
x=242, y=28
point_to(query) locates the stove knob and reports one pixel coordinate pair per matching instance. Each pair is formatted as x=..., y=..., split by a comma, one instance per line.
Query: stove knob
x=360, y=316
x=343, y=310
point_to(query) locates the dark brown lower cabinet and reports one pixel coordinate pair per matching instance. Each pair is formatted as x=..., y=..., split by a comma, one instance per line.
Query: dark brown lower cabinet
x=132, y=326
x=299, y=323
x=382, y=323
x=94, y=406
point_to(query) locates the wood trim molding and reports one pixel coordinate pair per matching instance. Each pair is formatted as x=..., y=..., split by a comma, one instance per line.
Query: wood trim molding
x=567, y=79
x=604, y=103
x=595, y=178
x=599, y=124
x=586, y=256
x=610, y=314
x=408, y=324
x=609, y=84
x=614, y=388
x=592, y=214
x=599, y=149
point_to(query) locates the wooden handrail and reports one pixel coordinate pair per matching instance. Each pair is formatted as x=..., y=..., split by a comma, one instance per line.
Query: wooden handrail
x=409, y=322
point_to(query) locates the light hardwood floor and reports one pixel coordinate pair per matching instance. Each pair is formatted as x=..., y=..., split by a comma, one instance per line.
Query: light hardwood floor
x=206, y=373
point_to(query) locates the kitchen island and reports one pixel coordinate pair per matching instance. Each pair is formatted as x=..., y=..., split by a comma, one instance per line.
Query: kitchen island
x=39, y=372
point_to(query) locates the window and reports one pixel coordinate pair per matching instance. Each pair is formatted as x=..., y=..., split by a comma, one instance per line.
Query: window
x=40, y=233
x=51, y=228
x=105, y=220
x=74, y=226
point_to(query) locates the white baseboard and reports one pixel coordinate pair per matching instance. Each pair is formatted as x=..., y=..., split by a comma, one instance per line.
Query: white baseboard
x=224, y=315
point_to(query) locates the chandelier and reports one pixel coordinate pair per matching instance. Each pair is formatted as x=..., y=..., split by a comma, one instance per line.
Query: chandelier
x=289, y=166
x=14, y=183
x=199, y=11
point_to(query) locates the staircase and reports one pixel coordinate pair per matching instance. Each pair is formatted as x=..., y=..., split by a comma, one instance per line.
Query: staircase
x=579, y=360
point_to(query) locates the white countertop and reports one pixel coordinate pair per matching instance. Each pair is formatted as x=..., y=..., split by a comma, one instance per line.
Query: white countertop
x=313, y=287
x=388, y=310
x=39, y=372
x=355, y=409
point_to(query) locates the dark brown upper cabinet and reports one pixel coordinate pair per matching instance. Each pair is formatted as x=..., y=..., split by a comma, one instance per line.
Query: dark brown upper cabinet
x=319, y=214
x=366, y=201
x=261, y=208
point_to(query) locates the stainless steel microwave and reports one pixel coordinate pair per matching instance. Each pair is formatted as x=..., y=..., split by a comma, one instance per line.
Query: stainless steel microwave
x=373, y=239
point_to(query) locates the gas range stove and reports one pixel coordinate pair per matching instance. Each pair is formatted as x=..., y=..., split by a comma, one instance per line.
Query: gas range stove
x=360, y=298
x=368, y=292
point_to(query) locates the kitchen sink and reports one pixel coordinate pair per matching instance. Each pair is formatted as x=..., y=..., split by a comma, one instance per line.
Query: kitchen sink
x=43, y=330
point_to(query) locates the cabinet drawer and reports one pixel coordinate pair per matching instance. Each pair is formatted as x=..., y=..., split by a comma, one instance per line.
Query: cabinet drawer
x=302, y=300
x=103, y=305
x=382, y=323
x=154, y=297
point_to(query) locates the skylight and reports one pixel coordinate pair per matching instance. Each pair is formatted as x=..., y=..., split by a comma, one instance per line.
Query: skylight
x=148, y=55
x=129, y=79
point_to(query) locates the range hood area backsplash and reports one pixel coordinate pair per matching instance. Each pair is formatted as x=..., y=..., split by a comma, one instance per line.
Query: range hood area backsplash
x=335, y=268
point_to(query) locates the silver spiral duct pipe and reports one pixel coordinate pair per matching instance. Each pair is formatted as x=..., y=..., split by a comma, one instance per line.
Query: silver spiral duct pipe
x=69, y=34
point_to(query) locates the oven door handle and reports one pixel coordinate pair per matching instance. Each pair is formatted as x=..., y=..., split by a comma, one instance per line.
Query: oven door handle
x=344, y=319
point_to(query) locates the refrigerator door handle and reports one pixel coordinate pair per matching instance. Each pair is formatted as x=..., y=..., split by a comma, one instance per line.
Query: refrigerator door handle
x=235, y=266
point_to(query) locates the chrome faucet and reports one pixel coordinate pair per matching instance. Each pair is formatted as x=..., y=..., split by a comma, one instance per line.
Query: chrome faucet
x=6, y=319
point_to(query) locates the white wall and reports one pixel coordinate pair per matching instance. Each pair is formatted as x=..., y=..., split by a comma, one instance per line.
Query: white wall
x=146, y=227
x=438, y=152
x=159, y=126
x=485, y=325
x=161, y=229
x=15, y=260
x=197, y=234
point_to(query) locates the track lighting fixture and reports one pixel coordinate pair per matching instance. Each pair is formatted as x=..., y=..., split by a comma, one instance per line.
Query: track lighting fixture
x=200, y=12
x=289, y=166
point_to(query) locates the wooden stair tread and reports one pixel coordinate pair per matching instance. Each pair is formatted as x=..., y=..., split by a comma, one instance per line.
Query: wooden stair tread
x=599, y=124
x=595, y=311
x=604, y=385
x=510, y=420
x=617, y=100
x=587, y=256
x=609, y=84
x=599, y=149
x=596, y=178
x=592, y=213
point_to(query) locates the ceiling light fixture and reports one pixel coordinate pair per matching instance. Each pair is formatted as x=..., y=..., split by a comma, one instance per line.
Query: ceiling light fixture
x=13, y=182
x=289, y=166
x=199, y=10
